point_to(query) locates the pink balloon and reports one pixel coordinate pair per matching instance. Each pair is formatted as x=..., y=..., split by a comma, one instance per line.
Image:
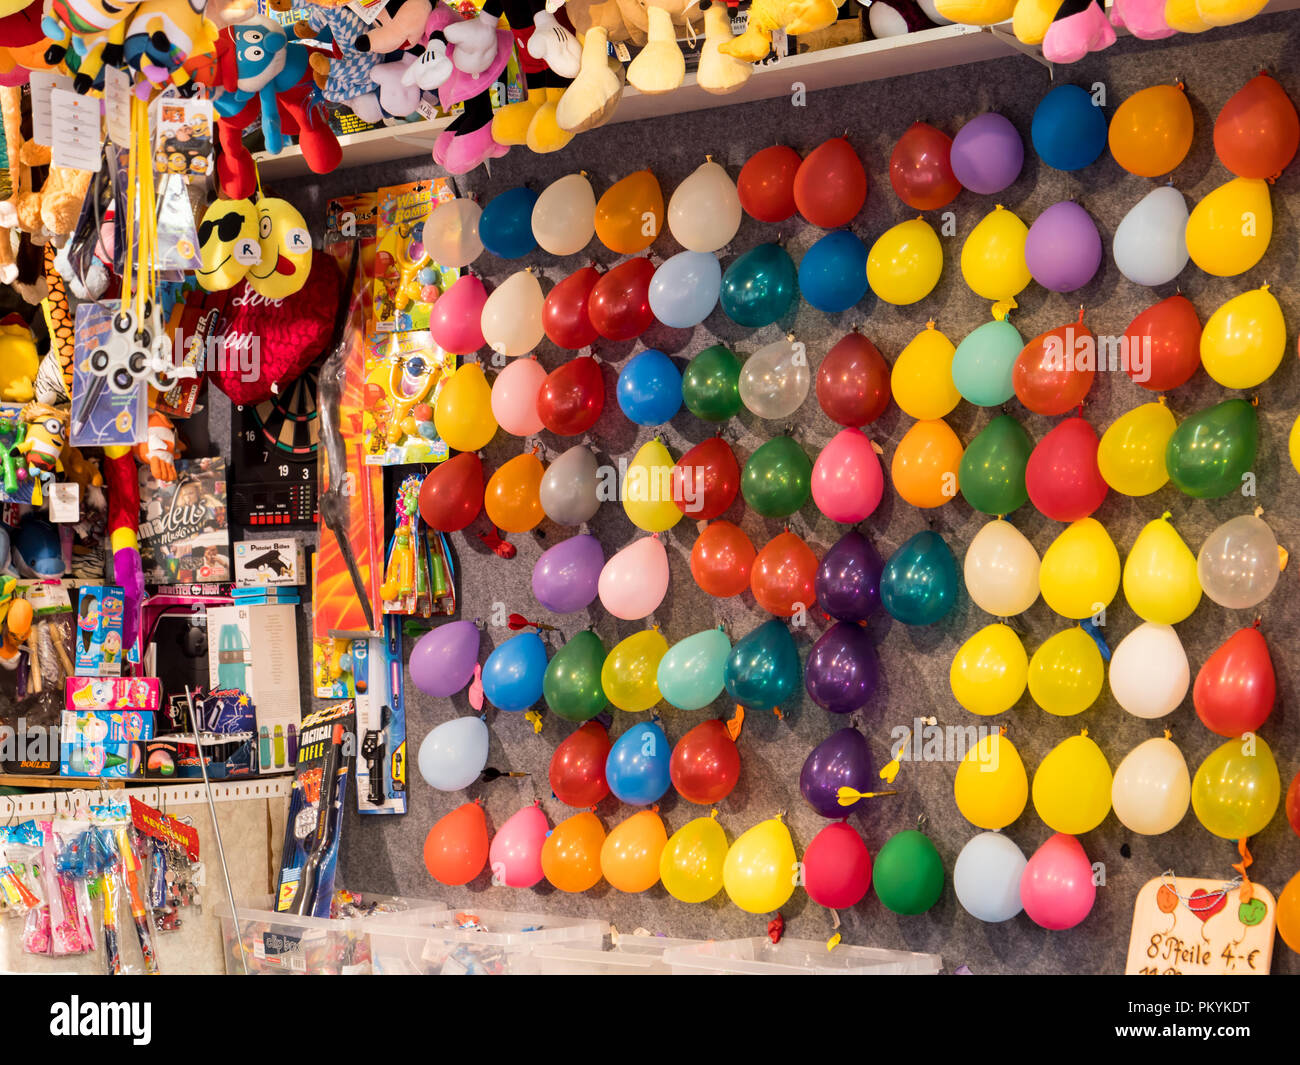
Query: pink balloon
x=1056, y=888
x=634, y=582
x=514, y=396
x=847, y=481
x=455, y=316
x=515, y=856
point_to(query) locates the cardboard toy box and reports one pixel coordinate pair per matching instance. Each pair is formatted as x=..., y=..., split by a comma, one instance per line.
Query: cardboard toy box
x=104, y=743
x=113, y=693
x=274, y=562
x=177, y=758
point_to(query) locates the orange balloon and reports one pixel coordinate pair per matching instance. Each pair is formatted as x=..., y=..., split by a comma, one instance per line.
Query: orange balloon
x=925, y=465
x=512, y=499
x=1151, y=132
x=784, y=575
x=571, y=854
x=1288, y=914
x=721, y=559
x=456, y=848
x=629, y=857
x=631, y=213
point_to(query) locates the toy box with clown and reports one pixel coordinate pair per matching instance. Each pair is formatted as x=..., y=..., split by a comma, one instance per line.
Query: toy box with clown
x=99, y=630
x=104, y=743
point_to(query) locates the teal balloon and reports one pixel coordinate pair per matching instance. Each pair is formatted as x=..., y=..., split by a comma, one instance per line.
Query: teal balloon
x=833, y=272
x=759, y=287
x=1212, y=449
x=919, y=583
x=982, y=364
x=762, y=670
x=691, y=673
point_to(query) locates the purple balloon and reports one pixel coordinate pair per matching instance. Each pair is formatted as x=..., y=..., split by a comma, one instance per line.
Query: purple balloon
x=565, y=578
x=1063, y=249
x=443, y=659
x=848, y=578
x=842, y=670
x=987, y=154
x=842, y=760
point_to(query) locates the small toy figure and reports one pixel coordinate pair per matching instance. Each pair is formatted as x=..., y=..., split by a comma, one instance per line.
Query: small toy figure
x=47, y=435
x=159, y=451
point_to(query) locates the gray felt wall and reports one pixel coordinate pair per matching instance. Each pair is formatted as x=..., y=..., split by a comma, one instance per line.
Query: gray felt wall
x=384, y=854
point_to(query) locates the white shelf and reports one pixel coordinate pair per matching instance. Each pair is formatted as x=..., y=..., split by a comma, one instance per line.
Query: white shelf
x=52, y=803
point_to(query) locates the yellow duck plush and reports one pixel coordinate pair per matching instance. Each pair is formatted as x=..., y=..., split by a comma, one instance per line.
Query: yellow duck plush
x=765, y=16
x=18, y=361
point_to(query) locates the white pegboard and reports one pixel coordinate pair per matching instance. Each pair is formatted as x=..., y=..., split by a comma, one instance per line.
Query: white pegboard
x=49, y=803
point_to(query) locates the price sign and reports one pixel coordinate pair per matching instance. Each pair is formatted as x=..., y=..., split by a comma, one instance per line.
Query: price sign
x=1184, y=926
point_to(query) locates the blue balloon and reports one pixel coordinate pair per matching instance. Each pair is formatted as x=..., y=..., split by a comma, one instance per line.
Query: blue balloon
x=759, y=286
x=513, y=673
x=762, y=670
x=638, y=763
x=650, y=388
x=506, y=225
x=1068, y=130
x=684, y=290
x=919, y=582
x=833, y=273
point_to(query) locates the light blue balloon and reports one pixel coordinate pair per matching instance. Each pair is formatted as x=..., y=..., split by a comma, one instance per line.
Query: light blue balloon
x=453, y=755
x=513, y=673
x=982, y=364
x=684, y=290
x=638, y=764
x=833, y=273
x=691, y=673
x=506, y=225
x=650, y=388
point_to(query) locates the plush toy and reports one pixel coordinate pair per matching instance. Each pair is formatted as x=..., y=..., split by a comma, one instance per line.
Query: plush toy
x=549, y=58
x=765, y=16
x=266, y=64
x=1142, y=18
x=594, y=95
x=42, y=446
x=895, y=18
x=95, y=283
x=401, y=23
x=123, y=523
x=161, y=36
x=47, y=214
x=85, y=474
x=660, y=66
x=96, y=29
x=229, y=244
x=22, y=43
x=18, y=361
x=720, y=73
x=286, y=250
x=478, y=51
x=344, y=74
x=158, y=451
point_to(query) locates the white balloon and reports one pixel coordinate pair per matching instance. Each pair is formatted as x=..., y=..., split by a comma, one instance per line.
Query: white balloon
x=1152, y=787
x=986, y=878
x=564, y=216
x=1001, y=570
x=1149, y=674
x=450, y=233
x=1238, y=563
x=704, y=211
x=774, y=381
x=1150, y=245
x=512, y=315
x=634, y=582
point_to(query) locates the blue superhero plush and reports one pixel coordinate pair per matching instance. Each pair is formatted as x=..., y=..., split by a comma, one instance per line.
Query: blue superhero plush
x=267, y=62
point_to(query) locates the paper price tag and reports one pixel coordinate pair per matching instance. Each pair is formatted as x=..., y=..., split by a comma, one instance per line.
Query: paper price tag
x=77, y=141
x=65, y=502
x=117, y=106
x=369, y=10
x=43, y=83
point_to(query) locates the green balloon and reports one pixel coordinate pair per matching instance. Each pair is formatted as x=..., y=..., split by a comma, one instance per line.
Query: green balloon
x=1212, y=449
x=777, y=479
x=982, y=363
x=572, y=682
x=992, y=471
x=908, y=874
x=711, y=384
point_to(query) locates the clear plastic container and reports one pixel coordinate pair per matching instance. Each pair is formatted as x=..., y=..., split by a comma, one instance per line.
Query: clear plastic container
x=473, y=942
x=796, y=957
x=634, y=956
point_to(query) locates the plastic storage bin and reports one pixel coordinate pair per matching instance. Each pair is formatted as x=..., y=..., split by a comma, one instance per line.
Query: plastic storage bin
x=499, y=943
x=796, y=957
x=634, y=956
x=284, y=943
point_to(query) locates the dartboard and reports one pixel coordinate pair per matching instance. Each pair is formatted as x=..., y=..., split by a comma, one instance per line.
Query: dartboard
x=288, y=422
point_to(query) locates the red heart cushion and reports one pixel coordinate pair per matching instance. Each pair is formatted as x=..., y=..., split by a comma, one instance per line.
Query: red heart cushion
x=263, y=343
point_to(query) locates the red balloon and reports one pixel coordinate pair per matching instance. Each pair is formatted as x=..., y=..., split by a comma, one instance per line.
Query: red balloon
x=564, y=314
x=722, y=559
x=1258, y=131
x=1236, y=688
x=572, y=397
x=1055, y=370
x=853, y=382
x=920, y=169
x=837, y=867
x=706, y=479
x=456, y=848
x=452, y=495
x=705, y=764
x=1293, y=804
x=619, y=305
x=831, y=185
x=1062, y=475
x=766, y=183
x=784, y=575
x=1162, y=345
x=577, y=772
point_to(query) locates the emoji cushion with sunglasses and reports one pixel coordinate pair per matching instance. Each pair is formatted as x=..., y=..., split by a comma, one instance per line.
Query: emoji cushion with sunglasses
x=286, y=250
x=228, y=244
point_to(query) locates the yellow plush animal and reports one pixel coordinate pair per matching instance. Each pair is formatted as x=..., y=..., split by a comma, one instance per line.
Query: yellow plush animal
x=766, y=16
x=18, y=361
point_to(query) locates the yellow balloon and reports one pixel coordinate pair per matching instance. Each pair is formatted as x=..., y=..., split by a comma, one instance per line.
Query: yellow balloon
x=631, y=671
x=648, y=489
x=691, y=863
x=1244, y=340
x=1293, y=444
x=1131, y=455
x=1229, y=230
x=989, y=671
x=760, y=869
x=921, y=380
x=905, y=262
x=991, y=788
x=462, y=414
x=993, y=257
x=1066, y=673
x=1236, y=789
x=1160, y=577
x=1079, y=574
x=1072, y=786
